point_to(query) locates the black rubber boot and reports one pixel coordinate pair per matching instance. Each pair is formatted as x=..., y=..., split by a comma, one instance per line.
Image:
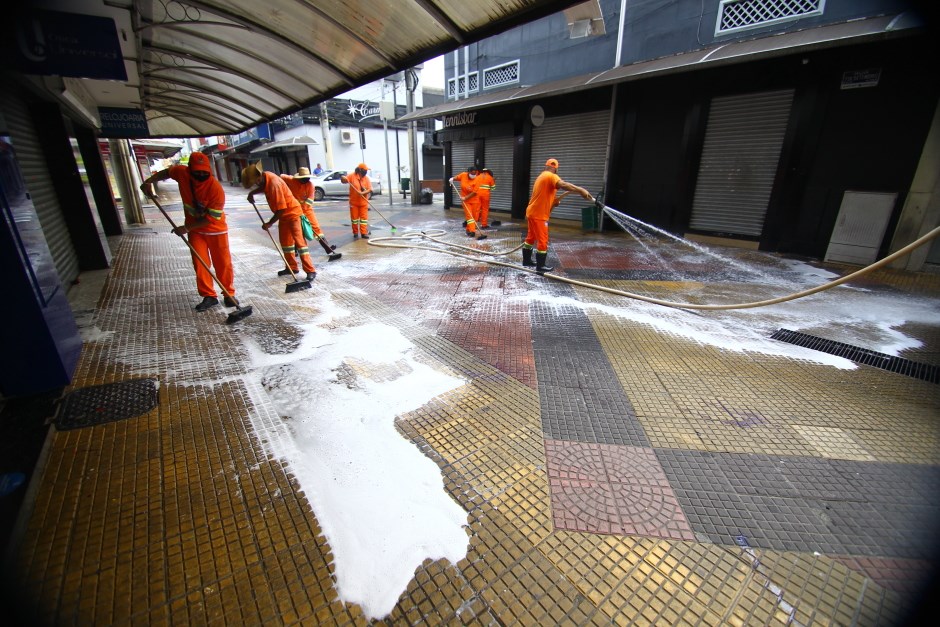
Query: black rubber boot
x=527, y=258
x=208, y=302
x=540, y=266
x=230, y=301
x=284, y=272
x=329, y=249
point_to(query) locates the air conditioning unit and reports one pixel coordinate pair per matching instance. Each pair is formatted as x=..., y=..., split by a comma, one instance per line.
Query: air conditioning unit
x=347, y=136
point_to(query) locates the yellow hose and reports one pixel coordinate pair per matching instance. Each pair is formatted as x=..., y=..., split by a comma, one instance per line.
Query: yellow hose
x=383, y=242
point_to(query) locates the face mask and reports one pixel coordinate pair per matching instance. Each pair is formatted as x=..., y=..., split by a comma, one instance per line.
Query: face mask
x=473, y=176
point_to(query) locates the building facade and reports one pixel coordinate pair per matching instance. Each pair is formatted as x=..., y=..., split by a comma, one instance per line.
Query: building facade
x=807, y=128
x=355, y=133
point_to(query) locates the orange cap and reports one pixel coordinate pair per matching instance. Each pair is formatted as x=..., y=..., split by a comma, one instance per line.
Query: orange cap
x=362, y=166
x=199, y=161
x=552, y=163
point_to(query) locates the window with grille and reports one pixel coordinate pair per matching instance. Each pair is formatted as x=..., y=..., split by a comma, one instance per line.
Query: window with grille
x=455, y=87
x=738, y=15
x=506, y=74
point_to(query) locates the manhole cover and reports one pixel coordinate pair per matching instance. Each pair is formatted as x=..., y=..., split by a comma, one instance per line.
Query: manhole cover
x=107, y=403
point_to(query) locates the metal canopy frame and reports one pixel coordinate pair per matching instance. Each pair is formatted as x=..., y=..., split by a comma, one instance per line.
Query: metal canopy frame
x=217, y=67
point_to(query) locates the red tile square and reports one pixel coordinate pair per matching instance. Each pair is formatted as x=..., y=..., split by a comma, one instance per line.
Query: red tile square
x=605, y=488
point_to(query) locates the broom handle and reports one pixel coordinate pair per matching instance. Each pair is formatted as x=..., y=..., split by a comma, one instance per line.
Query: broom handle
x=280, y=252
x=195, y=254
x=366, y=196
x=463, y=204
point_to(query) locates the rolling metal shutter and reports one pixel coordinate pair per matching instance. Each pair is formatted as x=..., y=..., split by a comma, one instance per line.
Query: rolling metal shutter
x=739, y=161
x=579, y=142
x=461, y=156
x=38, y=181
x=499, y=160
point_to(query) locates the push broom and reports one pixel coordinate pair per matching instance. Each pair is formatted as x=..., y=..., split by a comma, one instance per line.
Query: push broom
x=480, y=235
x=376, y=210
x=240, y=312
x=297, y=285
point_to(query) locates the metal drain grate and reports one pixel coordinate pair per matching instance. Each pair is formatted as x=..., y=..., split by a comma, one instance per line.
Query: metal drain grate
x=106, y=403
x=864, y=356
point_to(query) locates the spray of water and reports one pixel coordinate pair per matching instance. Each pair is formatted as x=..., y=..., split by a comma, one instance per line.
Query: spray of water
x=629, y=224
x=641, y=237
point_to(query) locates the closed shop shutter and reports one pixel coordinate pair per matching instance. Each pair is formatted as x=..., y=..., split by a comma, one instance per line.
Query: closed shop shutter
x=739, y=161
x=579, y=142
x=499, y=160
x=461, y=158
x=38, y=182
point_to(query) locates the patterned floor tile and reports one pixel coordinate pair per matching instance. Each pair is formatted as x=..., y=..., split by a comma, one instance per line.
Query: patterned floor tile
x=604, y=488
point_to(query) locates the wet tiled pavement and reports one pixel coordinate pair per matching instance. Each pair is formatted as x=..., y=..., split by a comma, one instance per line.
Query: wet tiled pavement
x=618, y=462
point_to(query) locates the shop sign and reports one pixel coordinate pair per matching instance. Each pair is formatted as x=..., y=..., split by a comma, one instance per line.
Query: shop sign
x=259, y=132
x=363, y=110
x=55, y=43
x=119, y=122
x=460, y=119
x=856, y=79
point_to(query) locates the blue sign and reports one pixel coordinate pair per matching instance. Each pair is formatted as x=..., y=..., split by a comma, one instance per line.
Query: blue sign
x=261, y=131
x=54, y=43
x=116, y=122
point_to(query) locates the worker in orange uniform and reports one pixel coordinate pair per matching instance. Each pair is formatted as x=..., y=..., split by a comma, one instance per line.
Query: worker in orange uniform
x=469, y=198
x=540, y=207
x=287, y=212
x=485, y=187
x=302, y=189
x=204, y=225
x=360, y=191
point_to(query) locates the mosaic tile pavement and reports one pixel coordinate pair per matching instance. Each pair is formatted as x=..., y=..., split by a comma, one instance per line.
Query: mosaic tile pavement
x=610, y=473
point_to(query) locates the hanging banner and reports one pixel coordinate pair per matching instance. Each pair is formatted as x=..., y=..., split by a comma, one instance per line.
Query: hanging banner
x=54, y=43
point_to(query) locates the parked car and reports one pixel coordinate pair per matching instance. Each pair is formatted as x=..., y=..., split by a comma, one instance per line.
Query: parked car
x=330, y=183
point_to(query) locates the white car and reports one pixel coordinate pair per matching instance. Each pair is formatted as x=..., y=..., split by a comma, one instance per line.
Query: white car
x=330, y=183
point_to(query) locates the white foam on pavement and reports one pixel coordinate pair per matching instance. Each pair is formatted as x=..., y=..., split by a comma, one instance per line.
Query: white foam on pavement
x=380, y=502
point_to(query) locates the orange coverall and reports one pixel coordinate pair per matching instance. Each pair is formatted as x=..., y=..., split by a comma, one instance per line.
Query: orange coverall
x=359, y=206
x=471, y=206
x=289, y=231
x=484, y=188
x=211, y=241
x=303, y=191
x=539, y=209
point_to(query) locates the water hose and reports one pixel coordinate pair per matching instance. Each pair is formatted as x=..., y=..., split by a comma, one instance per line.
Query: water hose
x=383, y=242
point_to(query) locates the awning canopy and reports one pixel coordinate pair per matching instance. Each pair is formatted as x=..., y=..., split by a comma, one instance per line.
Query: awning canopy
x=200, y=68
x=871, y=29
x=167, y=148
x=292, y=143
